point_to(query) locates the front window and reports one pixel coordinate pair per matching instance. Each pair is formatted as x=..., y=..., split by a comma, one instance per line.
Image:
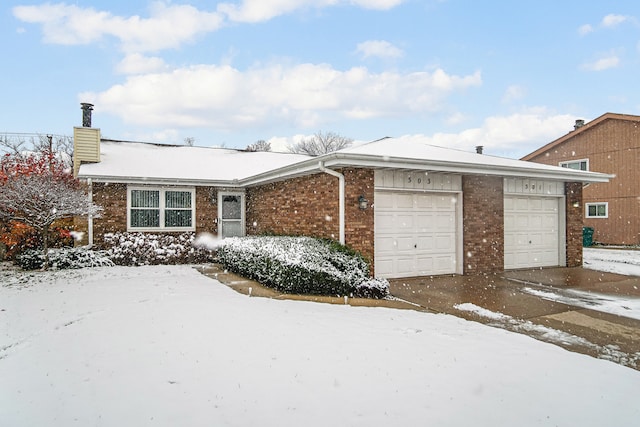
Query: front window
x=581, y=165
x=597, y=210
x=161, y=209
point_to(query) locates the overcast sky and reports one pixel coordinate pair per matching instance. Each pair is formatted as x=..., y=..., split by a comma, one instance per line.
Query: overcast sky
x=508, y=75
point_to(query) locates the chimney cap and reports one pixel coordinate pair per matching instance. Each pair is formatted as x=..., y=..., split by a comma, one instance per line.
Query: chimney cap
x=86, y=114
x=479, y=149
x=579, y=124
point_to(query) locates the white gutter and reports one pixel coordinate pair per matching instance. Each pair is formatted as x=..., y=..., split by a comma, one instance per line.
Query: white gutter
x=90, y=217
x=340, y=195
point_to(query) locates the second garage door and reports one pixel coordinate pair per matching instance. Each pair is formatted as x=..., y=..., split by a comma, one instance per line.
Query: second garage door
x=531, y=234
x=415, y=233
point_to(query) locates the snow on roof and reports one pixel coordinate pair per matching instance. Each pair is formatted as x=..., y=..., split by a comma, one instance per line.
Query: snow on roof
x=135, y=161
x=131, y=161
x=415, y=149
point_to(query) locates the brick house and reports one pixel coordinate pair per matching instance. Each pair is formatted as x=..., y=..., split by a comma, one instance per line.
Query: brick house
x=412, y=209
x=608, y=144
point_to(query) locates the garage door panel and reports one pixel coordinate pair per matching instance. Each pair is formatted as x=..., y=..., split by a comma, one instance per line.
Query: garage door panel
x=404, y=244
x=531, y=231
x=425, y=243
x=415, y=234
x=424, y=222
x=403, y=201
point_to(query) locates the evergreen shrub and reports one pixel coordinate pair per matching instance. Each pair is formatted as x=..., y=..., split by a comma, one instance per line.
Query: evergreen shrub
x=301, y=265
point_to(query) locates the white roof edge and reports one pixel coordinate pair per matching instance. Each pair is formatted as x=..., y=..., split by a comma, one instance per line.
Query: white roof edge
x=159, y=181
x=304, y=167
x=537, y=170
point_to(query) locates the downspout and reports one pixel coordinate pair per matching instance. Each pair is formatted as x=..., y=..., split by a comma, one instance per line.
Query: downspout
x=340, y=195
x=90, y=217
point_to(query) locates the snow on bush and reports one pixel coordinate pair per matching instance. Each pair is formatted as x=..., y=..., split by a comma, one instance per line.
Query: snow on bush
x=301, y=265
x=152, y=249
x=63, y=259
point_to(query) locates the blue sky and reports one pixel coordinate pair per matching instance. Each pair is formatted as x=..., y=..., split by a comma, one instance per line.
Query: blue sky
x=508, y=75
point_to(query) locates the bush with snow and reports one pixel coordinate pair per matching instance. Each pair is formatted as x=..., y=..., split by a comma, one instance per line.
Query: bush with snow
x=133, y=249
x=301, y=265
x=63, y=259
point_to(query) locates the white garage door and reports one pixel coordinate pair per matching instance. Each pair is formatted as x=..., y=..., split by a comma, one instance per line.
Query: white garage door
x=415, y=234
x=531, y=235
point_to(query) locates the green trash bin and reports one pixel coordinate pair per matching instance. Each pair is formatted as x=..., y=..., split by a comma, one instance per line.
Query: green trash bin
x=587, y=236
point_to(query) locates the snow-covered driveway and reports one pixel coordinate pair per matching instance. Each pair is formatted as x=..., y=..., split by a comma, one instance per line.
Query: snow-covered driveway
x=166, y=346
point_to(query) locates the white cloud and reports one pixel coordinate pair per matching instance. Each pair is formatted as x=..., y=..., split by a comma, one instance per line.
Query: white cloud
x=613, y=20
x=610, y=61
x=585, y=29
x=263, y=10
x=168, y=26
x=136, y=63
x=378, y=48
x=514, y=135
x=514, y=93
x=306, y=95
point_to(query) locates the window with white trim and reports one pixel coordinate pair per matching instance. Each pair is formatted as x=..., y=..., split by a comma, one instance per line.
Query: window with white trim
x=597, y=210
x=160, y=209
x=581, y=165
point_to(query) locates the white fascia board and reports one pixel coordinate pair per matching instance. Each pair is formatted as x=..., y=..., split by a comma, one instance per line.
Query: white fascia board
x=545, y=172
x=157, y=181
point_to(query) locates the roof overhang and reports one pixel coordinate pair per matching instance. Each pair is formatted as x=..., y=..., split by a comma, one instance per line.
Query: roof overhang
x=344, y=160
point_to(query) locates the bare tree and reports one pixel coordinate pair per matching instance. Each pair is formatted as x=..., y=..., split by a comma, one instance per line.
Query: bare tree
x=21, y=143
x=260, y=145
x=38, y=190
x=321, y=143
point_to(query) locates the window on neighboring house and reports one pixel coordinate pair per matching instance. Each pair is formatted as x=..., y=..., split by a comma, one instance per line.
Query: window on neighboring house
x=581, y=165
x=161, y=209
x=597, y=210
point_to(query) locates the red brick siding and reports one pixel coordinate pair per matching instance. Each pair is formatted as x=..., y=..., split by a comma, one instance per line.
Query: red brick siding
x=113, y=199
x=483, y=224
x=309, y=206
x=206, y=210
x=359, y=228
x=299, y=206
x=573, y=209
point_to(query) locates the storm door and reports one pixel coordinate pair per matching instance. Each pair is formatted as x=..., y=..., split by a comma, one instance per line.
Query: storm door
x=231, y=214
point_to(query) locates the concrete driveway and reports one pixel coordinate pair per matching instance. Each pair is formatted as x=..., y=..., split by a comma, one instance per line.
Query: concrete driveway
x=569, y=307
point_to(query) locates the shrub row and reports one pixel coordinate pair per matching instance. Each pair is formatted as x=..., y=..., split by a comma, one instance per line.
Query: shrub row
x=62, y=259
x=133, y=249
x=301, y=265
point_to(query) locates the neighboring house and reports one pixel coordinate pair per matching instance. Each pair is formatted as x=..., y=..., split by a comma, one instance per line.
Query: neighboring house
x=412, y=209
x=608, y=144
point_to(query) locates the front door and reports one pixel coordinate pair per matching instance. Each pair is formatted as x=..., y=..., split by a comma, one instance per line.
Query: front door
x=231, y=214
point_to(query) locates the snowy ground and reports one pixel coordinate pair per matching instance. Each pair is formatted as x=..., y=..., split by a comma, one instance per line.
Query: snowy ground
x=166, y=346
x=619, y=261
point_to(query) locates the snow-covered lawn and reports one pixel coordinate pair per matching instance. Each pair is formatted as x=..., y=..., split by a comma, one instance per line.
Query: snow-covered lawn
x=619, y=261
x=166, y=346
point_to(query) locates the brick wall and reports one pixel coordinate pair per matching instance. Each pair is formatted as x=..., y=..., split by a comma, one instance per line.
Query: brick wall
x=113, y=199
x=309, y=206
x=300, y=206
x=573, y=198
x=359, y=228
x=207, y=210
x=483, y=224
